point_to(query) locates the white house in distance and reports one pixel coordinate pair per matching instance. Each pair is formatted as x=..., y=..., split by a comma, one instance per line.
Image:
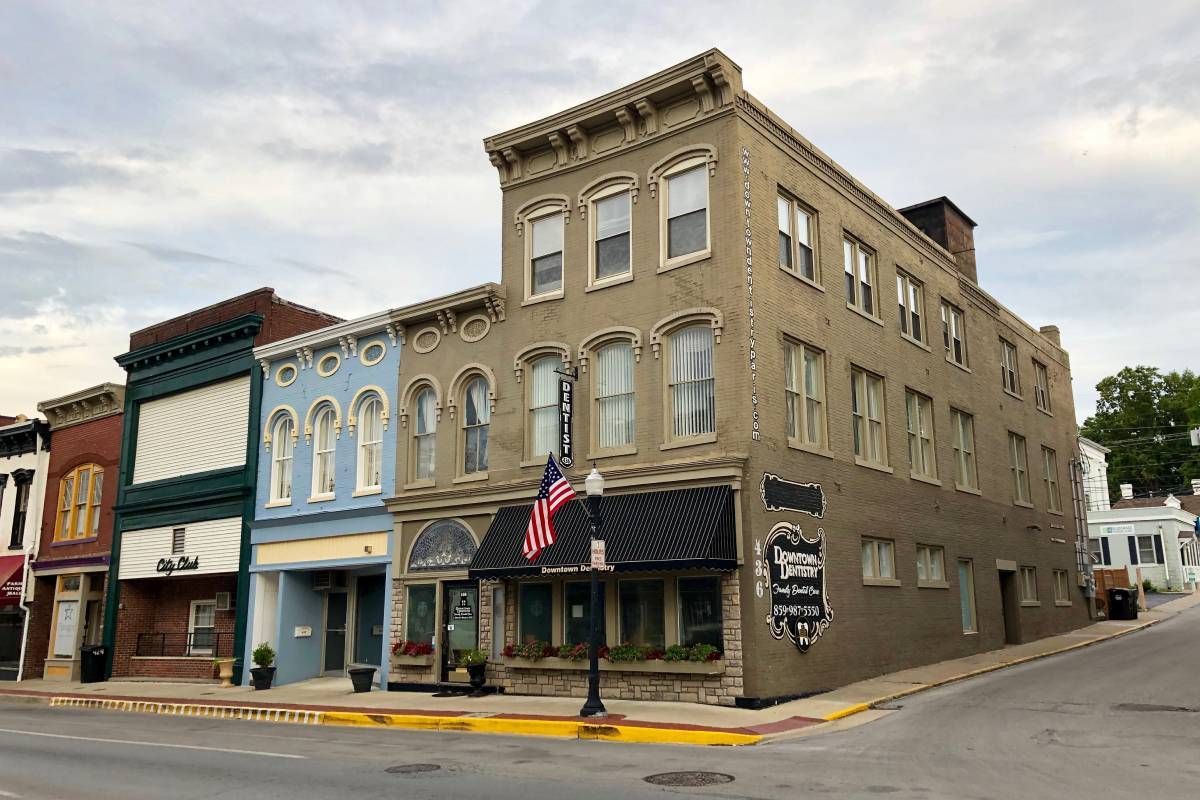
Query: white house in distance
x=1094, y=459
x=1156, y=534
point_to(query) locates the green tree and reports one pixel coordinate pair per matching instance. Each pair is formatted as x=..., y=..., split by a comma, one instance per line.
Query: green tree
x=1144, y=417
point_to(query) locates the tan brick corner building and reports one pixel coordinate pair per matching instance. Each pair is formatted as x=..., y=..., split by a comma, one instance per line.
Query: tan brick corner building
x=829, y=453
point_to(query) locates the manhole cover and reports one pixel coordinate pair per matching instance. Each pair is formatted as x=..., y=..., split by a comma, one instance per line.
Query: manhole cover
x=412, y=769
x=688, y=778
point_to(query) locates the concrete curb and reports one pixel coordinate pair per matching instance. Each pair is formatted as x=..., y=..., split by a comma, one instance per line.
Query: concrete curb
x=872, y=703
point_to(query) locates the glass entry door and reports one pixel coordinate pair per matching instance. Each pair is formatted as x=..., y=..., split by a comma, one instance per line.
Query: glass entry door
x=335, y=632
x=460, y=626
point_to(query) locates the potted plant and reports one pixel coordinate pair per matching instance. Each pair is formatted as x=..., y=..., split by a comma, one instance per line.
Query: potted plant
x=225, y=671
x=476, y=663
x=263, y=672
x=362, y=678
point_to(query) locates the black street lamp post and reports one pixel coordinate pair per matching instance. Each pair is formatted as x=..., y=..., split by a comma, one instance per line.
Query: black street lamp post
x=594, y=487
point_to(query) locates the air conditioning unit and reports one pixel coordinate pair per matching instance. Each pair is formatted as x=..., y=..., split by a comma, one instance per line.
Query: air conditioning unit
x=322, y=581
x=224, y=601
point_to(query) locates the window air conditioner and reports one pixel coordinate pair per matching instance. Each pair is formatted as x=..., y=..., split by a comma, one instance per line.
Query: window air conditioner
x=322, y=581
x=224, y=601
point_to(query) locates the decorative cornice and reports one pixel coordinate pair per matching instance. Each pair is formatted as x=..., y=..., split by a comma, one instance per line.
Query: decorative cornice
x=23, y=438
x=85, y=405
x=243, y=327
x=343, y=335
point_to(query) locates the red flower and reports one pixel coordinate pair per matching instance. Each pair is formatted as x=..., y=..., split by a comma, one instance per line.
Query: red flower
x=654, y=654
x=508, y=650
x=713, y=656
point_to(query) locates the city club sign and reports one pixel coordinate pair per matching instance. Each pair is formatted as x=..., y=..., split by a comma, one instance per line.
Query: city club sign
x=169, y=566
x=795, y=568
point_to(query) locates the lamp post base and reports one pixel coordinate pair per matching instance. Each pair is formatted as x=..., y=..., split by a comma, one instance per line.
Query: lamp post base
x=593, y=708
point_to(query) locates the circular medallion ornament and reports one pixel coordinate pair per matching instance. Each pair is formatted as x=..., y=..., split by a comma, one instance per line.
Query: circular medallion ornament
x=474, y=328
x=328, y=364
x=426, y=340
x=286, y=375
x=372, y=353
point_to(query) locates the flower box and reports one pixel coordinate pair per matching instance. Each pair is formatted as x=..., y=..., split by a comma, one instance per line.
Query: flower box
x=659, y=666
x=412, y=661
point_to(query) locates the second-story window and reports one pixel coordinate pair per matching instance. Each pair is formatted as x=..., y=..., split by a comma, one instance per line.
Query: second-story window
x=324, y=453
x=1041, y=387
x=546, y=255
x=425, y=435
x=910, y=296
x=867, y=409
x=1009, y=376
x=954, y=334
x=1019, y=465
x=804, y=386
x=370, y=444
x=1050, y=479
x=687, y=212
x=963, y=430
x=693, y=399
x=281, y=459
x=543, y=406
x=611, y=218
x=797, y=238
x=79, y=493
x=859, y=263
x=477, y=419
x=614, y=396
x=20, y=512
x=921, y=450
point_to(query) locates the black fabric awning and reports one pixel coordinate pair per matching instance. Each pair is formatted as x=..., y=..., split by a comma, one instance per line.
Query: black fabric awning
x=666, y=530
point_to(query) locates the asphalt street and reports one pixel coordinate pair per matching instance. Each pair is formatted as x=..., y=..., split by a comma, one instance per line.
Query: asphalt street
x=1118, y=719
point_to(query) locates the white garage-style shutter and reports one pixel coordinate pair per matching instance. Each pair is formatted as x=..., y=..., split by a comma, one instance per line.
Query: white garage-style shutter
x=194, y=431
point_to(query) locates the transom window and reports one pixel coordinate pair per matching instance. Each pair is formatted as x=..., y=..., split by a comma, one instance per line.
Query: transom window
x=282, y=454
x=921, y=451
x=954, y=334
x=611, y=236
x=931, y=564
x=1050, y=479
x=859, y=263
x=910, y=295
x=1019, y=465
x=1041, y=387
x=544, y=430
x=79, y=493
x=878, y=559
x=963, y=429
x=867, y=409
x=691, y=385
x=804, y=387
x=686, y=205
x=370, y=443
x=797, y=238
x=546, y=254
x=424, y=435
x=324, y=452
x=476, y=422
x=614, y=396
x=1009, y=375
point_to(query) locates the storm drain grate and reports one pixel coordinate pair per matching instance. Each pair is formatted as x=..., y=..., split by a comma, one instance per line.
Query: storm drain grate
x=688, y=778
x=412, y=769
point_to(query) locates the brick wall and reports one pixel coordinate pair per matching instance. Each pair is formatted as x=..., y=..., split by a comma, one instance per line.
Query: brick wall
x=162, y=605
x=41, y=612
x=98, y=442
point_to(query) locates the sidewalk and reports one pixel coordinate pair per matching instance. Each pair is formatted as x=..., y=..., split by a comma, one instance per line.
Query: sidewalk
x=329, y=701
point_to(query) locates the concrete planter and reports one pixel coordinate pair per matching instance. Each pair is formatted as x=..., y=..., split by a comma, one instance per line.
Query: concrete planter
x=413, y=661
x=658, y=666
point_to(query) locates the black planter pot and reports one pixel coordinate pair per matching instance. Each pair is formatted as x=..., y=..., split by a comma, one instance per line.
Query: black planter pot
x=478, y=673
x=262, y=677
x=362, y=678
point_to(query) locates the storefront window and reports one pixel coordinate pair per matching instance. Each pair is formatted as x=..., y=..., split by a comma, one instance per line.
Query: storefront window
x=577, y=606
x=422, y=605
x=536, y=605
x=642, y=613
x=700, y=612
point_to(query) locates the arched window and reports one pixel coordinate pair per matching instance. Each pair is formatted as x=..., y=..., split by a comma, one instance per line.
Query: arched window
x=690, y=381
x=424, y=435
x=543, y=406
x=79, y=493
x=614, y=395
x=476, y=422
x=324, y=453
x=281, y=459
x=370, y=443
x=444, y=545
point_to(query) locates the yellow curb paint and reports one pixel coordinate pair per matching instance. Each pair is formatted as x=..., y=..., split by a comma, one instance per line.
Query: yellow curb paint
x=848, y=711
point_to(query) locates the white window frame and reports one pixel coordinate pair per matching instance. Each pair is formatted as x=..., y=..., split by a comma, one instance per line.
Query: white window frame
x=864, y=423
x=201, y=651
x=673, y=384
x=664, y=193
x=803, y=401
x=954, y=330
x=965, y=465
x=922, y=444
x=530, y=222
x=1010, y=375
x=794, y=208
x=598, y=400
x=466, y=428
x=532, y=456
x=607, y=192
x=1153, y=559
x=1018, y=464
x=319, y=492
x=283, y=451
x=1041, y=386
x=872, y=563
x=1028, y=583
x=929, y=557
x=910, y=299
x=431, y=421
x=1050, y=479
x=362, y=452
x=853, y=253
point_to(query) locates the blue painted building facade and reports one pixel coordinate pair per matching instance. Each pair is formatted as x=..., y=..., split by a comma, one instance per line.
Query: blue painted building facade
x=321, y=561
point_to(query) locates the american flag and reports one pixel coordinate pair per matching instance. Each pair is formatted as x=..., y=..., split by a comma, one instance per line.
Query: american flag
x=554, y=493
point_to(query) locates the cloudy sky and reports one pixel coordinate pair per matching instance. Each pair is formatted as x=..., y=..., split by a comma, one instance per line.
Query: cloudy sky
x=155, y=157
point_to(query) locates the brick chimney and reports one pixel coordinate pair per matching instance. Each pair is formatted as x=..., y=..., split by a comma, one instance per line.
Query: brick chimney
x=1126, y=491
x=946, y=224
